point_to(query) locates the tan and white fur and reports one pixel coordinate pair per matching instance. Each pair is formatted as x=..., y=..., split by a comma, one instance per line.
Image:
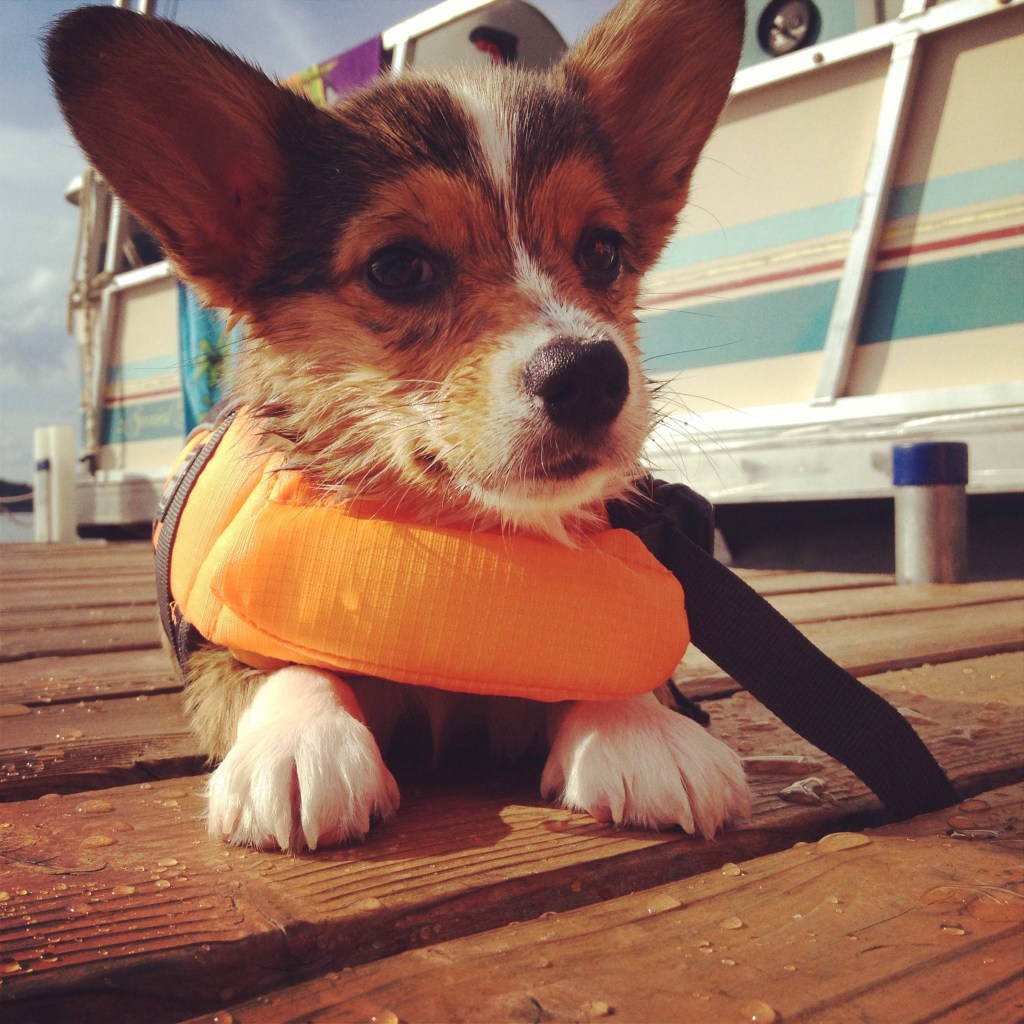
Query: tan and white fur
x=439, y=278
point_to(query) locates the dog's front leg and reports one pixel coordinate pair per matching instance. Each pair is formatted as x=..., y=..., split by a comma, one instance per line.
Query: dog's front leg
x=635, y=762
x=304, y=770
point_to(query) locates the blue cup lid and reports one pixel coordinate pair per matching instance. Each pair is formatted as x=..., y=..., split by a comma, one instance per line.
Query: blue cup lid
x=927, y=463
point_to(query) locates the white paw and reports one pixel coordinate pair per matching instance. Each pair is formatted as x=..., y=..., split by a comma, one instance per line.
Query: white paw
x=303, y=771
x=635, y=762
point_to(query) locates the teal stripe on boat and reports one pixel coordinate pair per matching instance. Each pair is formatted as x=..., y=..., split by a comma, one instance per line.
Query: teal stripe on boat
x=985, y=184
x=797, y=226
x=944, y=297
x=144, y=421
x=754, y=327
x=905, y=302
x=142, y=369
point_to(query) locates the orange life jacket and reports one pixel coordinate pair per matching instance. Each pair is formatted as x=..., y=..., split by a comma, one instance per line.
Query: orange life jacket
x=259, y=562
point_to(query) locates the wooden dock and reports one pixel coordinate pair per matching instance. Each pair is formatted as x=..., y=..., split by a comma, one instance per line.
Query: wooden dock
x=479, y=901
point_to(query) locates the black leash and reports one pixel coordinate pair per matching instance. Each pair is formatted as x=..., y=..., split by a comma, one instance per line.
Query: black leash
x=184, y=637
x=747, y=638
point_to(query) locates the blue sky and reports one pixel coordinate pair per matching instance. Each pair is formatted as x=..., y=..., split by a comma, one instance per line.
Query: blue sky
x=38, y=360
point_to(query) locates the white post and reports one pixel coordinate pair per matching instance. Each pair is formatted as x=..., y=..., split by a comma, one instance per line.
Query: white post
x=53, y=497
x=41, y=485
x=63, y=514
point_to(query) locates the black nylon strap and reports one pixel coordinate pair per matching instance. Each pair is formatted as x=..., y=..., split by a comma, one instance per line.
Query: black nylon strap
x=747, y=638
x=184, y=637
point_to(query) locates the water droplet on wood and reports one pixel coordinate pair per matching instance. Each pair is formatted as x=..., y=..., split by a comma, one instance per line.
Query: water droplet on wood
x=961, y=821
x=975, y=805
x=94, y=807
x=99, y=841
x=369, y=903
x=837, y=841
x=917, y=717
x=661, y=902
x=758, y=1012
x=781, y=764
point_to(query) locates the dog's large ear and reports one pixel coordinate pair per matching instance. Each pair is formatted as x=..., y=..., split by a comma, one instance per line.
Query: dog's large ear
x=184, y=132
x=657, y=74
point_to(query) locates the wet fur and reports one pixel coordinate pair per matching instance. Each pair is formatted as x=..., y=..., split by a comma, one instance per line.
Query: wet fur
x=218, y=691
x=276, y=210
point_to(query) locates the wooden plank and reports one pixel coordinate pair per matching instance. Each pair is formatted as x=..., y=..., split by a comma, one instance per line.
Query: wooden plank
x=464, y=854
x=102, y=570
x=23, y=595
x=84, y=559
x=997, y=680
x=92, y=744
x=461, y=856
x=871, y=601
x=769, y=582
x=976, y=741
x=56, y=680
x=884, y=643
x=84, y=638
x=24, y=620
x=916, y=638
x=77, y=552
x=90, y=930
x=872, y=928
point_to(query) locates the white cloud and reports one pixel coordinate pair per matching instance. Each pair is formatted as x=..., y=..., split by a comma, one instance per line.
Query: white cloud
x=36, y=157
x=35, y=401
x=31, y=302
x=300, y=43
x=39, y=228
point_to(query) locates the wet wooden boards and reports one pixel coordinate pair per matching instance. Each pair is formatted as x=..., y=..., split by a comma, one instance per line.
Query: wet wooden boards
x=479, y=901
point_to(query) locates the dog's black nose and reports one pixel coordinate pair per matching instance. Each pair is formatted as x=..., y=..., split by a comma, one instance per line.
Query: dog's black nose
x=583, y=385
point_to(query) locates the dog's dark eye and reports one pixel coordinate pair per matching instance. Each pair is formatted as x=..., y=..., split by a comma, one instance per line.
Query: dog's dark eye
x=599, y=256
x=401, y=273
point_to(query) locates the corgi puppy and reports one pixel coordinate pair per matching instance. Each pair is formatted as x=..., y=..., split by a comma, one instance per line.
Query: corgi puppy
x=439, y=279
